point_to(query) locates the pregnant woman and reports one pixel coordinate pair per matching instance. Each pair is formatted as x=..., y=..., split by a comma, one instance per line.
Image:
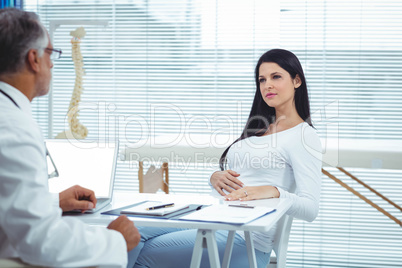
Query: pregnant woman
x=278, y=151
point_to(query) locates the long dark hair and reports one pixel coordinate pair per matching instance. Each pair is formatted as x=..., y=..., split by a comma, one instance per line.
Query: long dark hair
x=262, y=115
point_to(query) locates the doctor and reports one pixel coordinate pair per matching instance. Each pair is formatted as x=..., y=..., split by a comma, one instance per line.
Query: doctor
x=31, y=225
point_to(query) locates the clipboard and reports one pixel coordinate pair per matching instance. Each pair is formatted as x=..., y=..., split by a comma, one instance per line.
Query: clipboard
x=174, y=215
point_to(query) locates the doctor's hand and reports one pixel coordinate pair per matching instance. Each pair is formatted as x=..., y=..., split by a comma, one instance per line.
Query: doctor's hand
x=126, y=227
x=227, y=180
x=77, y=198
x=253, y=193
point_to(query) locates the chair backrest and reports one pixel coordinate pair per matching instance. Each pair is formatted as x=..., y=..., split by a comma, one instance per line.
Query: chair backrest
x=281, y=240
x=280, y=246
x=154, y=179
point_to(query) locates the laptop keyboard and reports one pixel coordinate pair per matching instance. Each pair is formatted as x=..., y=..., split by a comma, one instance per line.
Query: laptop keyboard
x=102, y=202
x=99, y=205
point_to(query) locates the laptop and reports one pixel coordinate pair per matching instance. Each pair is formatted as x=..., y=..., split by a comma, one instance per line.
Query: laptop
x=90, y=164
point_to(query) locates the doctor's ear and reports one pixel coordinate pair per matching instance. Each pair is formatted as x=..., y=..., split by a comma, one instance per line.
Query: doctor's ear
x=297, y=81
x=33, y=60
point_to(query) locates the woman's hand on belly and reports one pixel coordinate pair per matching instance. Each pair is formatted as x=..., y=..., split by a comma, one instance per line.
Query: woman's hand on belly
x=253, y=193
x=227, y=180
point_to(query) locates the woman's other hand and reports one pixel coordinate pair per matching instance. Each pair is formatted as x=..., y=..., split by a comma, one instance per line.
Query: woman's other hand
x=227, y=180
x=253, y=193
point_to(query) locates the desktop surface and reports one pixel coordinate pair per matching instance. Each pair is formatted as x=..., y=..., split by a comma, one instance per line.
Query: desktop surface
x=121, y=199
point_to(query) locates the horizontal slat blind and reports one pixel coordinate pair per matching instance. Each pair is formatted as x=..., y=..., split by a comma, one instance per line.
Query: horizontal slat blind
x=351, y=51
x=348, y=232
x=186, y=67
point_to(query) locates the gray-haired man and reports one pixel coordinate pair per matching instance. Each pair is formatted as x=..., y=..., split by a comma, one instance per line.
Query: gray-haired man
x=31, y=228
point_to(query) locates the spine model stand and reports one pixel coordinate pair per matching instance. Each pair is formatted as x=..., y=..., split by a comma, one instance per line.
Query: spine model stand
x=77, y=130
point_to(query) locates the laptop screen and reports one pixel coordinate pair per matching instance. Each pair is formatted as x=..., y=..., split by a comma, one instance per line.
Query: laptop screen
x=90, y=164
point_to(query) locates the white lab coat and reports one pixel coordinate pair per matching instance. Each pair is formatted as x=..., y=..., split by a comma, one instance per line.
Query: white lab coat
x=31, y=225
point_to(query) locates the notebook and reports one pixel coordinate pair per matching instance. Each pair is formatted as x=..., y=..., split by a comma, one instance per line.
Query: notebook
x=90, y=164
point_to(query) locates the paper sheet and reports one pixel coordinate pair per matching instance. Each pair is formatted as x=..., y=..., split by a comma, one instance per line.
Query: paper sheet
x=228, y=214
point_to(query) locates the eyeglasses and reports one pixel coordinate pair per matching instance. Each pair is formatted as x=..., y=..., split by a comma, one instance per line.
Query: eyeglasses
x=55, y=54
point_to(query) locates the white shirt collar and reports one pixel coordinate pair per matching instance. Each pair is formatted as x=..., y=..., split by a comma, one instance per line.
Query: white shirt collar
x=22, y=100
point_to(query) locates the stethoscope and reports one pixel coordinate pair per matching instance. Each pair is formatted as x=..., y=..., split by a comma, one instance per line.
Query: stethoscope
x=8, y=96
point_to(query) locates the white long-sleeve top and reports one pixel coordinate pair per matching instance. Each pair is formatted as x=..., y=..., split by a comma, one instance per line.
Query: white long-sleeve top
x=31, y=223
x=290, y=159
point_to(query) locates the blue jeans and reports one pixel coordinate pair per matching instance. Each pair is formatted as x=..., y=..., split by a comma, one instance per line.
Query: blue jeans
x=172, y=247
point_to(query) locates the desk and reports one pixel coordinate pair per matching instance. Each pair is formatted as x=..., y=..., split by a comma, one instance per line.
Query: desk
x=206, y=230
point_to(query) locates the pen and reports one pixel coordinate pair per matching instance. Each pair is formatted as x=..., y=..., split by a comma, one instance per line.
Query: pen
x=241, y=206
x=161, y=206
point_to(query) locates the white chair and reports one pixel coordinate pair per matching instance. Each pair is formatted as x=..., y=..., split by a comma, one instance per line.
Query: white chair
x=17, y=263
x=280, y=246
x=14, y=263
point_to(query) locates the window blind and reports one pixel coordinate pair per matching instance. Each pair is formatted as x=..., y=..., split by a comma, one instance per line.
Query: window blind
x=167, y=67
x=352, y=56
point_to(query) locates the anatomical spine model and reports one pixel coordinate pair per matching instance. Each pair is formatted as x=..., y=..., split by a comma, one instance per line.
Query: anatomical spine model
x=77, y=130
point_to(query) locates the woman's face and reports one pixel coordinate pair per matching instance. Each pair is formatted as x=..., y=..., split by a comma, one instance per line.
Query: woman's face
x=277, y=86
